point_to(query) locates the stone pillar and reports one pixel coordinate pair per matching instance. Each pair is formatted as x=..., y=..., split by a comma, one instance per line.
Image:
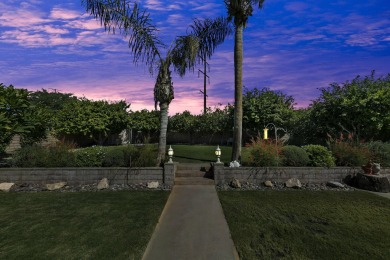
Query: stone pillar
x=169, y=173
x=219, y=175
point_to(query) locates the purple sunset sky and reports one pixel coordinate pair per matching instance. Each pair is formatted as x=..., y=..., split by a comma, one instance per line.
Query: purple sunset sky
x=292, y=46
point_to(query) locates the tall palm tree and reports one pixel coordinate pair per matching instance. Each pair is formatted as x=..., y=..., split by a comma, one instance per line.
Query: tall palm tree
x=146, y=47
x=205, y=30
x=239, y=11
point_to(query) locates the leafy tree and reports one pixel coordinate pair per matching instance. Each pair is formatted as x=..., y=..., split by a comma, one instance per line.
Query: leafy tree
x=148, y=48
x=53, y=101
x=266, y=106
x=214, y=121
x=18, y=116
x=46, y=106
x=239, y=11
x=360, y=108
x=92, y=119
x=145, y=121
x=183, y=123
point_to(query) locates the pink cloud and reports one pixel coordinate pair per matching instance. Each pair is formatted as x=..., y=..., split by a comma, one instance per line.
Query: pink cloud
x=63, y=14
x=21, y=18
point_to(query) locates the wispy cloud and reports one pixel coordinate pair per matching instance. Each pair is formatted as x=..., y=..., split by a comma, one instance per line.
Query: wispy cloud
x=296, y=47
x=157, y=5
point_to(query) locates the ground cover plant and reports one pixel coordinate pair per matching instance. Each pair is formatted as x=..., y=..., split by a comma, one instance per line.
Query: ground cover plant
x=103, y=225
x=308, y=225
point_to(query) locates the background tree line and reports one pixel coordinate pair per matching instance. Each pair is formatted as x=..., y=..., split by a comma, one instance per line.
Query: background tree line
x=359, y=108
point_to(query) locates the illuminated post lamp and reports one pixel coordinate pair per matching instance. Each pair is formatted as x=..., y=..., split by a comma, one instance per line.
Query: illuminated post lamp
x=218, y=154
x=265, y=133
x=170, y=154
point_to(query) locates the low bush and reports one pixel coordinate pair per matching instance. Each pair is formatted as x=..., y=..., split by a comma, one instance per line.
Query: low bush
x=145, y=157
x=62, y=155
x=262, y=153
x=115, y=158
x=319, y=156
x=350, y=154
x=57, y=155
x=294, y=156
x=90, y=156
x=380, y=152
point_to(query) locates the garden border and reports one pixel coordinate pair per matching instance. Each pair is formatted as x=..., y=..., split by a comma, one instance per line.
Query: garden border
x=314, y=175
x=81, y=176
x=166, y=174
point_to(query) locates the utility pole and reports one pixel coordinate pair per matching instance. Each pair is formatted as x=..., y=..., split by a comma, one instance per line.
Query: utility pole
x=205, y=76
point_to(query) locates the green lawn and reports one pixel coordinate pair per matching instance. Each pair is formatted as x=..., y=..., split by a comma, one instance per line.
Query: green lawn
x=200, y=153
x=103, y=225
x=308, y=225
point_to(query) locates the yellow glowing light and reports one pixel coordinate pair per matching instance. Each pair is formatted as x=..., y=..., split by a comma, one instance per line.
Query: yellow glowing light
x=265, y=133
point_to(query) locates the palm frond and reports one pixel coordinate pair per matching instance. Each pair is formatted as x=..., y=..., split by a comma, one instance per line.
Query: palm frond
x=240, y=10
x=200, y=43
x=211, y=33
x=132, y=22
x=184, y=53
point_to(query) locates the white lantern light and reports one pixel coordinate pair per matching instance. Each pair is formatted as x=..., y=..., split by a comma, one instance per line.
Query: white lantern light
x=218, y=154
x=170, y=154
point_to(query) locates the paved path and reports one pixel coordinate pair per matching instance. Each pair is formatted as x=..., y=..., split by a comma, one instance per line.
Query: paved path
x=192, y=226
x=382, y=194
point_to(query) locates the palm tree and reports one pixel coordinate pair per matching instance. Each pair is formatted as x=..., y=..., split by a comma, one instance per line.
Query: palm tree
x=147, y=47
x=205, y=30
x=239, y=11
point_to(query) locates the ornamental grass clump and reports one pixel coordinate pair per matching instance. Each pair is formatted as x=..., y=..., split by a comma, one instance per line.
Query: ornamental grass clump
x=380, y=152
x=348, y=152
x=263, y=152
x=319, y=156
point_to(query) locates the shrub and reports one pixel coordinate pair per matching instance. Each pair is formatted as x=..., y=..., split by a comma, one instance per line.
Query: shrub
x=96, y=156
x=349, y=154
x=145, y=157
x=120, y=156
x=57, y=155
x=319, y=156
x=294, y=156
x=380, y=152
x=90, y=157
x=263, y=153
x=114, y=158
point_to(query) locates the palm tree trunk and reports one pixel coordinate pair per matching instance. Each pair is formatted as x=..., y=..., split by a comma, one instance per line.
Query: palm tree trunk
x=238, y=54
x=163, y=133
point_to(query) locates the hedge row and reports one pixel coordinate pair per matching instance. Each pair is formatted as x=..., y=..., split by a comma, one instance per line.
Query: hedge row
x=61, y=155
x=267, y=153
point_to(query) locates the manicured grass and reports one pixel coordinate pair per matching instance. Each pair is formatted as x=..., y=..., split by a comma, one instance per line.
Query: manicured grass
x=200, y=153
x=308, y=225
x=103, y=225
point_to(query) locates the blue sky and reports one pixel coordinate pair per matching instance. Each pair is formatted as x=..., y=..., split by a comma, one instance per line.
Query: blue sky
x=292, y=46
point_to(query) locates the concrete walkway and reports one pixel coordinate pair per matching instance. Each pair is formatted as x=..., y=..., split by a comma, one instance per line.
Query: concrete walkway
x=192, y=226
x=382, y=194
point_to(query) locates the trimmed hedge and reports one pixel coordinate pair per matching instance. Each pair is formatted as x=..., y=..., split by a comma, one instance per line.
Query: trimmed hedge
x=294, y=156
x=319, y=156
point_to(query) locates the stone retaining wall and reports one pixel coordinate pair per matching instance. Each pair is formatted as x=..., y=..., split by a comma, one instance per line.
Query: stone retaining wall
x=281, y=174
x=81, y=176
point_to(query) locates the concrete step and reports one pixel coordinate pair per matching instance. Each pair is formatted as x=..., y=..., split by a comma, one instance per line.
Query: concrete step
x=194, y=166
x=193, y=181
x=191, y=173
